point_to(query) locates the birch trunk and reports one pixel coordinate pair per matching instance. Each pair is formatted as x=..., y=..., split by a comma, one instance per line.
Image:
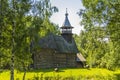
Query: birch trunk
x=13, y=44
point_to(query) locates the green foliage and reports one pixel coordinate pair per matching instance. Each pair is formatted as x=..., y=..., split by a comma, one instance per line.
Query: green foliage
x=91, y=44
x=28, y=26
x=102, y=13
x=19, y=26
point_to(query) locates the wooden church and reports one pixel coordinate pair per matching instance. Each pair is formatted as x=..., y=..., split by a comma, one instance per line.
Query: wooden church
x=58, y=51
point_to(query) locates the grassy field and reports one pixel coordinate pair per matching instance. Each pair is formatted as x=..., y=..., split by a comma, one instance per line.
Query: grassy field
x=64, y=74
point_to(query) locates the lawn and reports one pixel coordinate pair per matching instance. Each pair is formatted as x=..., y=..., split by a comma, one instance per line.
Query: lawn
x=64, y=74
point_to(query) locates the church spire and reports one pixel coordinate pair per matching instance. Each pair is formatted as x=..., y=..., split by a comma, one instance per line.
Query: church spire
x=66, y=22
x=66, y=10
x=66, y=29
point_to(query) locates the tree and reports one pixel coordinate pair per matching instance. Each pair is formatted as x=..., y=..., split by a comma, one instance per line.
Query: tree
x=104, y=13
x=4, y=41
x=92, y=45
x=19, y=27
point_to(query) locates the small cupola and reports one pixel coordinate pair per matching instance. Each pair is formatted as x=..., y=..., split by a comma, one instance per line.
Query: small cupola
x=66, y=29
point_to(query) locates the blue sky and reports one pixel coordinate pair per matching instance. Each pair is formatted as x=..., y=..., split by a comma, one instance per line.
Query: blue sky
x=73, y=6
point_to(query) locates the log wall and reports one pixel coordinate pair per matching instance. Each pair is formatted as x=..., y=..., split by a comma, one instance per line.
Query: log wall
x=47, y=58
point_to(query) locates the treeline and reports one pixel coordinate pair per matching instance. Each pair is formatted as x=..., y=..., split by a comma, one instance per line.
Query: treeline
x=21, y=22
x=99, y=42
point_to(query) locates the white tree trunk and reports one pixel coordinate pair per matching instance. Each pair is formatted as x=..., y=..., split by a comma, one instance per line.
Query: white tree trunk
x=12, y=68
x=13, y=43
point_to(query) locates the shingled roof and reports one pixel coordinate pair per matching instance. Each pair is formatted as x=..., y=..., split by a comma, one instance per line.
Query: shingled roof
x=58, y=43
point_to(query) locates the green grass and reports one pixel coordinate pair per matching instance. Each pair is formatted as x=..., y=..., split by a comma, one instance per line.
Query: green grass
x=65, y=74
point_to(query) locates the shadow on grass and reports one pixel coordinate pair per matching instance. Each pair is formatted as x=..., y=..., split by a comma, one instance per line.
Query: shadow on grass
x=46, y=70
x=52, y=69
x=117, y=76
x=1, y=70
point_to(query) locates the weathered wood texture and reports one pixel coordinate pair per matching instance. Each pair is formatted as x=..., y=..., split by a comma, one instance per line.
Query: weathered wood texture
x=47, y=58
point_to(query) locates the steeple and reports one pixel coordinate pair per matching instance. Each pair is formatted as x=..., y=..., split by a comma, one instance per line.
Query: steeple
x=66, y=22
x=67, y=29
